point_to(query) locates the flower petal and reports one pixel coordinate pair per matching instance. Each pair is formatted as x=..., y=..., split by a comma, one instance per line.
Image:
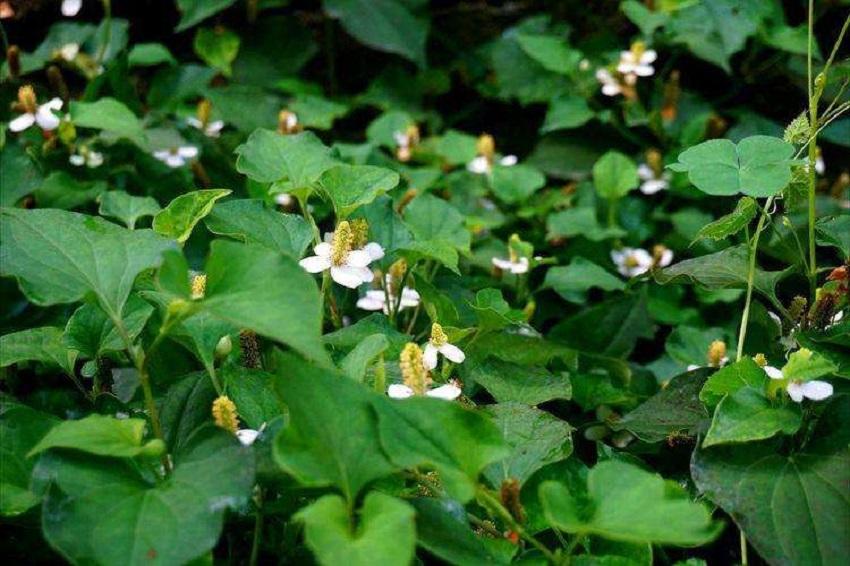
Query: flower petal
x=371, y=303
x=429, y=356
x=453, y=353
x=816, y=390
x=315, y=263
x=773, y=373
x=347, y=276
x=399, y=391
x=358, y=258
x=479, y=165
x=46, y=119
x=649, y=56
x=323, y=250
x=187, y=152
x=504, y=264
x=653, y=186
x=645, y=172
x=611, y=89
x=194, y=122
x=449, y=392
x=247, y=436
x=795, y=391
x=71, y=8
x=174, y=161
x=77, y=160
x=374, y=250
x=509, y=161
x=22, y=122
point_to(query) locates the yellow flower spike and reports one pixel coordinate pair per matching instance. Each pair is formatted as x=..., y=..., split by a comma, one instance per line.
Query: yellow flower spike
x=359, y=233
x=204, y=111
x=26, y=99
x=716, y=353
x=486, y=146
x=760, y=360
x=413, y=371
x=199, y=286
x=224, y=414
x=638, y=49
x=438, y=336
x=342, y=242
x=655, y=161
x=512, y=243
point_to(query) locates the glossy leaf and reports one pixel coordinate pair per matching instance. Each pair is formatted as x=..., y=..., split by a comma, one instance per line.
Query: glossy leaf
x=179, y=218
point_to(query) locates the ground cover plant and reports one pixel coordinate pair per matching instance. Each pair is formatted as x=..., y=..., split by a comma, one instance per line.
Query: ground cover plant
x=382, y=282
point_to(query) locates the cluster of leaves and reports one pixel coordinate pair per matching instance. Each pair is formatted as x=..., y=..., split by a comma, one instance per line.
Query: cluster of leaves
x=179, y=387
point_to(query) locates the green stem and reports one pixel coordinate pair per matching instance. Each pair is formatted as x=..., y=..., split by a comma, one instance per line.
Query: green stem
x=496, y=506
x=107, y=14
x=258, y=530
x=743, y=539
x=751, y=274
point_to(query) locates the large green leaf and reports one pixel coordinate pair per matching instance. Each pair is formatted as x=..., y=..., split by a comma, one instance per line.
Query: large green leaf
x=104, y=511
x=624, y=502
x=299, y=159
x=59, y=257
x=758, y=166
x=126, y=208
x=834, y=232
x=552, y=52
x=385, y=529
x=250, y=221
x=566, y=112
x=101, y=435
x=793, y=508
x=730, y=379
x=43, y=344
x=748, y=415
x=92, y=333
x=614, y=175
x=573, y=281
x=511, y=382
x=217, y=47
x=111, y=116
x=516, y=183
x=350, y=186
x=194, y=11
x=179, y=218
x=386, y=25
x=254, y=287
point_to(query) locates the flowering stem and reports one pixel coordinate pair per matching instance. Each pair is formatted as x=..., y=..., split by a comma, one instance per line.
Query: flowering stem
x=328, y=297
x=493, y=504
x=751, y=274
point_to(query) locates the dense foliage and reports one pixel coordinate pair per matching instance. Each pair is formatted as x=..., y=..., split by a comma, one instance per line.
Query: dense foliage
x=361, y=282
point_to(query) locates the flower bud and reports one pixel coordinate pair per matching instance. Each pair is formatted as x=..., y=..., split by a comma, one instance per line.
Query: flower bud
x=224, y=347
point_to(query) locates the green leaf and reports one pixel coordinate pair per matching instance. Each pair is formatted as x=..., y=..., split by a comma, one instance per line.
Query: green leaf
x=579, y=221
x=431, y=433
x=42, y=344
x=92, y=333
x=732, y=223
x=253, y=393
x=185, y=408
x=493, y=311
x=566, y=112
x=61, y=190
x=385, y=25
x=21, y=428
x=244, y=287
x=624, y=502
x=614, y=175
x=834, y=232
x=251, y=222
x=728, y=380
x=351, y=186
x=675, y=409
x=551, y=52
x=758, y=166
x=573, y=281
x=149, y=55
x=747, y=415
x=806, y=520
x=104, y=511
x=179, y=218
x=19, y=175
x=516, y=183
x=804, y=365
x=100, y=435
x=201, y=333
x=432, y=219
x=357, y=361
x=111, y=116
x=534, y=437
x=194, y=11
x=59, y=257
x=268, y=157
x=644, y=18
x=217, y=47
x=509, y=382
x=316, y=111
x=126, y=208
x=323, y=445
x=385, y=529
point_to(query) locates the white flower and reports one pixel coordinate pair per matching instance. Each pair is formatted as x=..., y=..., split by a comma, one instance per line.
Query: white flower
x=247, y=436
x=348, y=267
x=632, y=262
x=820, y=166
x=374, y=250
x=610, y=85
x=211, y=129
x=176, y=156
x=517, y=267
x=71, y=8
x=482, y=166
x=798, y=389
x=448, y=392
x=637, y=61
x=69, y=51
x=43, y=114
x=376, y=299
x=283, y=199
x=87, y=157
x=662, y=256
x=652, y=182
x=439, y=344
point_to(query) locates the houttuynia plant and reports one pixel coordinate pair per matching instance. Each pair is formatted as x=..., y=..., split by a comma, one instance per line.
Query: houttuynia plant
x=392, y=282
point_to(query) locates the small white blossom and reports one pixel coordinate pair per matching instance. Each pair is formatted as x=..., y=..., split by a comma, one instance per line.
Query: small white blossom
x=632, y=262
x=247, y=436
x=637, y=61
x=820, y=166
x=439, y=344
x=87, y=157
x=516, y=267
x=69, y=51
x=376, y=299
x=176, y=156
x=351, y=271
x=283, y=199
x=211, y=129
x=449, y=392
x=71, y=8
x=611, y=85
x=482, y=166
x=651, y=181
x=799, y=390
x=43, y=116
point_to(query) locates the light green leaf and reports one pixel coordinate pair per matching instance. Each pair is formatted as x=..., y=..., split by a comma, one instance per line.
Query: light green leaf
x=624, y=502
x=357, y=361
x=92, y=333
x=573, y=281
x=42, y=344
x=804, y=365
x=126, y=208
x=179, y=218
x=834, y=232
x=244, y=287
x=253, y=393
x=149, y=54
x=644, y=18
x=385, y=25
x=251, y=222
x=758, y=166
x=61, y=190
x=748, y=415
x=351, y=186
x=19, y=175
x=299, y=159
x=194, y=11
x=100, y=435
x=59, y=257
x=732, y=223
x=316, y=111
x=729, y=379
x=385, y=529
x=614, y=175
x=508, y=382
x=111, y=116
x=579, y=221
x=516, y=183
x=493, y=311
x=566, y=112
x=217, y=47
x=551, y=52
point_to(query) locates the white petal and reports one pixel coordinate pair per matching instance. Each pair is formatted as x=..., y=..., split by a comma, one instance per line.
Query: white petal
x=283, y=199
x=666, y=258
x=795, y=391
x=775, y=318
x=399, y=391
x=77, y=160
x=520, y=267
x=504, y=264
x=247, y=436
x=429, y=356
x=315, y=263
x=692, y=367
x=610, y=89
x=372, y=303
x=45, y=117
x=71, y=8
x=409, y=298
x=215, y=127
x=820, y=166
x=816, y=390
x=653, y=186
x=479, y=165
x=374, y=250
x=626, y=67
x=323, y=249
x=194, y=122
x=347, y=276
x=643, y=257
x=645, y=172
x=649, y=56
x=161, y=154
x=453, y=353
x=604, y=76
x=508, y=160
x=773, y=373
x=22, y=122
x=619, y=256
x=174, y=161
x=69, y=51
x=358, y=258
x=187, y=152
x=401, y=139
x=644, y=70
x=94, y=159
x=449, y=392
